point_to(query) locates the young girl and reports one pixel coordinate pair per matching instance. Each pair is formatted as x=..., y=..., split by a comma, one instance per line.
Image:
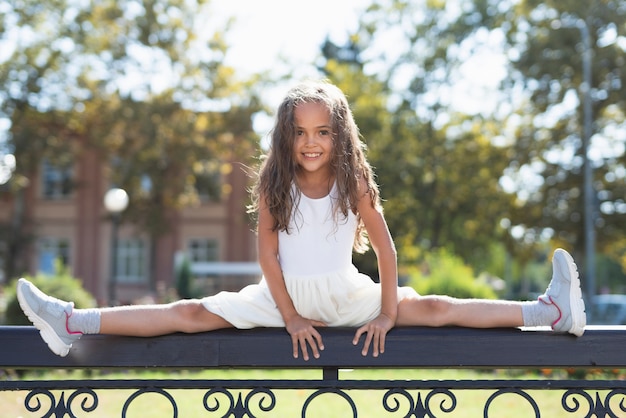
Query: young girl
x=316, y=201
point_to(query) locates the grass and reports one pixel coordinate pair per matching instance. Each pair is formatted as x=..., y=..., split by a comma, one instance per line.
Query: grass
x=289, y=403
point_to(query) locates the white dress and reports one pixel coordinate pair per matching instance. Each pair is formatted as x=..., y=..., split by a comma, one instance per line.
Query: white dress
x=316, y=261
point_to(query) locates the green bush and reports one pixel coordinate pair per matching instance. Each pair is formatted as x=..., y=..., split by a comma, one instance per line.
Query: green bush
x=183, y=279
x=442, y=273
x=62, y=286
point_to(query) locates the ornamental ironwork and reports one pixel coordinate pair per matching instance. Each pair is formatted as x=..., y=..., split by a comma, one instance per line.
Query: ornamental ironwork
x=257, y=398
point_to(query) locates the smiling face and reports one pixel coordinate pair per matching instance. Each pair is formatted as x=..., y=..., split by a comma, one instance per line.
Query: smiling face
x=313, y=146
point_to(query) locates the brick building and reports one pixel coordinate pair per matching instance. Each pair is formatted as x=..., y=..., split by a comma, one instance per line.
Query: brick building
x=71, y=224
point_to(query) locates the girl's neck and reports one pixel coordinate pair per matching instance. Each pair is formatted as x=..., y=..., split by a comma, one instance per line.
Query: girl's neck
x=315, y=187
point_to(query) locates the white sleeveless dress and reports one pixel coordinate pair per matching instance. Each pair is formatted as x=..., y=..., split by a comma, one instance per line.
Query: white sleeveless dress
x=316, y=261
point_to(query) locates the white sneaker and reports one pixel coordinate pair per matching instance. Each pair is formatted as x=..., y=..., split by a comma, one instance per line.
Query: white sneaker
x=49, y=315
x=564, y=293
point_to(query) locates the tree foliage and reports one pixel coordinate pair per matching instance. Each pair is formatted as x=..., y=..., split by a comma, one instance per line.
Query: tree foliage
x=546, y=64
x=135, y=79
x=438, y=169
x=466, y=177
x=140, y=81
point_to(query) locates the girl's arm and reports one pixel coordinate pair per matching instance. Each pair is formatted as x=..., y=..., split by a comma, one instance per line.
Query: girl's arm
x=301, y=329
x=383, y=246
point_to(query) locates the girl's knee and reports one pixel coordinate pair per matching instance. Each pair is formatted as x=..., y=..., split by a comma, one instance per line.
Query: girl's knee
x=439, y=310
x=192, y=316
x=432, y=311
x=189, y=313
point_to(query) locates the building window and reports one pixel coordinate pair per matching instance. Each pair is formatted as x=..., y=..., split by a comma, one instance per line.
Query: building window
x=50, y=251
x=208, y=180
x=131, y=261
x=56, y=181
x=208, y=188
x=202, y=250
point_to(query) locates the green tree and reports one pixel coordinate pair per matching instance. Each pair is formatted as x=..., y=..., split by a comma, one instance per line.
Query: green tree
x=512, y=173
x=141, y=81
x=438, y=168
x=546, y=53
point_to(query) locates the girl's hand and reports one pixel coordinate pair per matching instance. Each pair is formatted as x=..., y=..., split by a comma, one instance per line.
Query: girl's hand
x=376, y=331
x=303, y=334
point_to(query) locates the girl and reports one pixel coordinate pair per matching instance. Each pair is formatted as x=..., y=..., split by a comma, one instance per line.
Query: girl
x=316, y=201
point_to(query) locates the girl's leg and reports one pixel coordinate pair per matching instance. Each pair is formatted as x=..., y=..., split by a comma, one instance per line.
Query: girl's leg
x=188, y=316
x=561, y=306
x=60, y=324
x=437, y=311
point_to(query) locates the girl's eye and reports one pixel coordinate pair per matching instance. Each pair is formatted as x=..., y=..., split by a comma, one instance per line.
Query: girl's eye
x=299, y=132
x=324, y=132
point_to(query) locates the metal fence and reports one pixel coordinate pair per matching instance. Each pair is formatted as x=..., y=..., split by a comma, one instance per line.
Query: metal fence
x=580, y=394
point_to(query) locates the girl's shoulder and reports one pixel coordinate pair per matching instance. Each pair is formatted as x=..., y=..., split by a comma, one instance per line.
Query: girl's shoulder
x=363, y=188
x=367, y=196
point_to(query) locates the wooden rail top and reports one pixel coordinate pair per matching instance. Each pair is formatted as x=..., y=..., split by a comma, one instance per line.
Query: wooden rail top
x=406, y=347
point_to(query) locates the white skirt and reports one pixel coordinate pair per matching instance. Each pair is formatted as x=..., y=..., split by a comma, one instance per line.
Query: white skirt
x=345, y=298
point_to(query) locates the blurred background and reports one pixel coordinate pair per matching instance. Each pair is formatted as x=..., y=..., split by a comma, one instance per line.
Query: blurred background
x=130, y=131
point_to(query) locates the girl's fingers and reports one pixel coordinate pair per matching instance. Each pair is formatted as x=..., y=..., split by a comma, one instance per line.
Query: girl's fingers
x=375, y=343
x=374, y=337
x=368, y=338
x=357, y=335
x=381, y=343
x=302, y=343
x=366, y=345
x=318, y=340
x=294, y=343
x=305, y=351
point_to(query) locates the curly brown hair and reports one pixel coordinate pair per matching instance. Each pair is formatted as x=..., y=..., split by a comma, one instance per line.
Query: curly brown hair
x=349, y=165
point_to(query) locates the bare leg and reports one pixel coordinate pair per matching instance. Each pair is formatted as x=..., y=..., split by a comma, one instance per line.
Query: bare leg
x=437, y=311
x=188, y=316
x=60, y=325
x=561, y=306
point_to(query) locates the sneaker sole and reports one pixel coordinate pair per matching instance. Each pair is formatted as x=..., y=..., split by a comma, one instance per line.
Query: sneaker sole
x=577, y=304
x=51, y=338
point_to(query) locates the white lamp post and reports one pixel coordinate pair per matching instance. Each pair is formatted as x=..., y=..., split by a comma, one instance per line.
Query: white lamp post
x=115, y=201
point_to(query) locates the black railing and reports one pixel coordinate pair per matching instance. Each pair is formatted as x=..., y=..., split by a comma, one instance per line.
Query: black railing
x=601, y=348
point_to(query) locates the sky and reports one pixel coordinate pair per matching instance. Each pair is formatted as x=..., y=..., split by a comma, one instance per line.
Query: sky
x=266, y=30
